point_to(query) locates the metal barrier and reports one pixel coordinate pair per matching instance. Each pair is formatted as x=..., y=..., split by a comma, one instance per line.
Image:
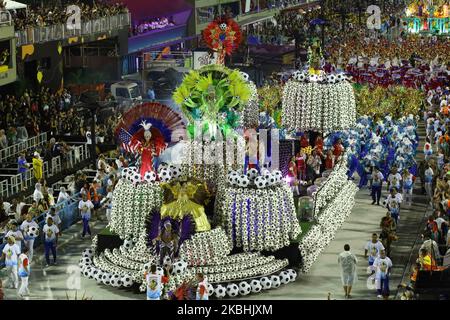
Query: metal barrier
x=60, y=31
x=16, y=149
x=14, y=183
x=67, y=211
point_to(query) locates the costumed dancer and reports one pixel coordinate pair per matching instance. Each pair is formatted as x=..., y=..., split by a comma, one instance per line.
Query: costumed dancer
x=408, y=182
x=168, y=242
x=301, y=164
x=149, y=149
x=292, y=176
x=382, y=265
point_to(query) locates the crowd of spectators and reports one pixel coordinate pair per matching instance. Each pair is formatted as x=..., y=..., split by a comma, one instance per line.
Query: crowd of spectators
x=152, y=24
x=51, y=14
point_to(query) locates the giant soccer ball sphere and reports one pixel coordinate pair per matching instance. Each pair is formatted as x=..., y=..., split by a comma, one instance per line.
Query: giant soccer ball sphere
x=150, y=176
x=87, y=253
x=98, y=276
x=179, y=267
x=271, y=180
x=278, y=176
x=243, y=181
x=252, y=174
x=232, y=290
x=116, y=281
x=275, y=281
x=210, y=289
x=292, y=274
x=232, y=178
x=265, y=283
x=165, y=175
x=220, y=291
x=284, y=277
x=106, y=278
x=136, y=178
x=256, y=286
x=175, y=172
x=127, y=244
x=260, y=182
x=244, y=288
x=127, y=281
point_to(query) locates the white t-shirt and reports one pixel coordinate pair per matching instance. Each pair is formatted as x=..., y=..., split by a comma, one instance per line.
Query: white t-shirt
x=377, y=178
x=25, y=225
x=56, y=218
x=24, y=261
x=374, y=248
x=391, y=178
x=85, y=208
x=19, y=208
x=382, y=265
x=11, y=253
x=17, y=235
x=50, y=232
x=439, y=222
x=154, y=277
x=6, y=206
x=397, y=198
x=429, y=175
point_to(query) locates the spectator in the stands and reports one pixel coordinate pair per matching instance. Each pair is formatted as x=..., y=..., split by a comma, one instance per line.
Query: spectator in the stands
x=38, y=166
x=34, y=210
x=38, y=194
x=23, y=166
x=63, y=195
x=51, y=232
x=3, y=139
x=28, y=240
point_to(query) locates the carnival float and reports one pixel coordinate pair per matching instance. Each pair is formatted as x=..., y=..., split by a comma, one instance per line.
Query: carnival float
x=207, y=208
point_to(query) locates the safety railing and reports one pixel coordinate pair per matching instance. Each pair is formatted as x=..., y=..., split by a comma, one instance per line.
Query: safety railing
x=16, y=149
x=62, y=31
x=13, y=184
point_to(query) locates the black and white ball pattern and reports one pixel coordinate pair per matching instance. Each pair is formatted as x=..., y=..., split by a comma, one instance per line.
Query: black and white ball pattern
x=244, y=288
x=276, y=282
x=33, y=231
x=233, y=177
x=292, y=275
x=260, y=182
x=252, y=174
x=165, y=175
x=243, y=181
x=256, y=286
x=232, y=290
x=128, y=244
x=175, y=172
x=127, y=281
x=265, y=283
x=150, y=176
x=284, y=277
x=179, y=268
x=220, y=291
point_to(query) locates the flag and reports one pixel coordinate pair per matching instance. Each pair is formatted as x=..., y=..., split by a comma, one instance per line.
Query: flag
x=129, y=144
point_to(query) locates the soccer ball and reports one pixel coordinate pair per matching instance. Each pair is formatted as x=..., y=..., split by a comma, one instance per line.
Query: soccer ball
x=275, y=281
x=278, y=176
x=86, y=272
x=136, y=178
x=85, y=261
x=232, y=290
x=116, y=281
x=223, y=26
x=284, y=277
x=265, y=283
x=244, y=288
x=300, y=76
x=210, y=289
x=127, y=244
x=87, y=253
x=260, y=182
x=243, y=181
x=98, y=276
x=179, y=267
x=220, y=291
x=271, y=180
x=33, y=231
x=340, y=77
x=331, y=78
x=252, y=173
x=127, y=281
x=150, y=176
x=313, y=78
x=106, y=278
x=175, y=171
x=233, y=177
x=256, y=286
x=165, y=175
x=292, y=274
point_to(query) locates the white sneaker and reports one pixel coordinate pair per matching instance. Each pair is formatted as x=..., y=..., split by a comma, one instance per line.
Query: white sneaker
x=379, y=296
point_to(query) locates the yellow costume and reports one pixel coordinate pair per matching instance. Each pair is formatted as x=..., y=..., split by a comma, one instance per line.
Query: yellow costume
x=184, y=205
x=38, y=164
